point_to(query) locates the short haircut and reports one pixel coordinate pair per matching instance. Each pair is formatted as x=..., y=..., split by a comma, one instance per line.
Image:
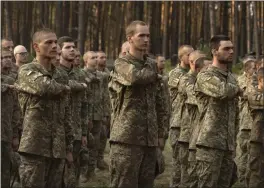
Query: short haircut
x=6, y=39
x=260, y=60
x=86, y=55
x=182, y=50
x=64, y=39
x=260, y=73
x=248, y=64
x=131, y=28
x=36, y=36
x=215, y=41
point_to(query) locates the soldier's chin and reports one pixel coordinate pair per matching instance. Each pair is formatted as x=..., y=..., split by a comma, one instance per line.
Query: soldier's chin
x=225, y=62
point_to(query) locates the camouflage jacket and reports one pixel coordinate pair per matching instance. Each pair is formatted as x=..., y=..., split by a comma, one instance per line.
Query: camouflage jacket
x=216, y=92
x=138, y=111
x=166, y=100
x=47, y=127
x=94, y=93
x=176, y=100
x=189, y=106
x=10, y=111
x=78, y=101
x=256, y=102
x=245, y=119
x=106, y=102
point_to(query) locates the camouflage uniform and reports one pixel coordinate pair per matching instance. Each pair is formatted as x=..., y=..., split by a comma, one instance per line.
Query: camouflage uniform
x=245, y=123
x=255, y=171
x=189, y=113
x=95, y=97
x=136, y=123
x=107, y=113
x=177, y=102
x=10, y=113
x=78, y=105
x=216, y=92
x=47, y=132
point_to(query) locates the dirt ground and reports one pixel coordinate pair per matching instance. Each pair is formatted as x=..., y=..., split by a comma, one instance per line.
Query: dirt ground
x=102, y=177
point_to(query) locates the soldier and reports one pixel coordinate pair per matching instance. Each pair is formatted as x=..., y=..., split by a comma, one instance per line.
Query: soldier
x=105, y=129
x=138, y=114
x=9, y=118
x=255, y=174
x=95, y=109
x=176, y=102
x=56, y=61
x=166, y=95
x=189, y=111
x=78, y=104
x=7, y=44
x=124, y=49
x=21, y=55
x=245, y=120
x=217, y=91
x=47, y=133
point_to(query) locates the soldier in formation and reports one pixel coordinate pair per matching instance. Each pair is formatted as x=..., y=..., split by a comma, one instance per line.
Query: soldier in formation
x=65, y=109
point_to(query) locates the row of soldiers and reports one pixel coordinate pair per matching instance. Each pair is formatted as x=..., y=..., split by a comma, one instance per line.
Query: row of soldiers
x=53, y=109
x=217, y=120
x=65, y=109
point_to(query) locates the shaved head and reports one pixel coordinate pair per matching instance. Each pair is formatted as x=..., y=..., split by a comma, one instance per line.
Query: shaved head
x=125, y=48
x=19, y=49
x=39, y=35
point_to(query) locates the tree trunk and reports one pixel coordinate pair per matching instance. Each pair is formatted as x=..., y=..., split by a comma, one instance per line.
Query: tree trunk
x=243, y=37
x=212, y=18
x=165, y=28
x=235, y=31
x=174, y=27
x=248, y=28
x=58, y=18
x=81, y=26
x=256, y=36
x=66, y=18
x=8, y=16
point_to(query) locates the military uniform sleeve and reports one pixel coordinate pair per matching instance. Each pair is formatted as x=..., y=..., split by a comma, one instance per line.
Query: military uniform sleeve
x=68, y=124
x=36, y=83
x=161, y=112
x=129, y=75
x=256, y=99
x=212, y=86
x=190, y=93
x=75, y=86
x=16, y=116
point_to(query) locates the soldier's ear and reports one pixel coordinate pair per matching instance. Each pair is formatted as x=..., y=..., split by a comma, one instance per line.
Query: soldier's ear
x=129, y=39
x=36, y=47
x=214, y=52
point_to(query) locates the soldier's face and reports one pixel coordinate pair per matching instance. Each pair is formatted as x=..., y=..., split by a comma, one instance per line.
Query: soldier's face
x=8, y=45
x=47, y=47
x=101, y=59
x=68, y=51
x=58, y=56
x=77, y=60
x=161, y=62
x=6, y=61
x=185, y=57
x=261, y=83
x=225, y=52
x=140, y=40
x=22, y=57
x=92, y=59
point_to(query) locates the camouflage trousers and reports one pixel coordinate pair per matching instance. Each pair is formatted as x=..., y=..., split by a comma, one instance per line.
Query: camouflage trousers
x=132, y=166
x=214, y=167
x=103, y=140
x=93, y=150
x=71, y=173
x=255, y=171
x=40, y=172
x=192, y=171
x=242, y=154
x=5, y=164
x=183, y=158
x=176, y=167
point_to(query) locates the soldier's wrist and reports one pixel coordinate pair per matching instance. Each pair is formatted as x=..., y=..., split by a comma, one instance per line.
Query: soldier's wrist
x=69, y=148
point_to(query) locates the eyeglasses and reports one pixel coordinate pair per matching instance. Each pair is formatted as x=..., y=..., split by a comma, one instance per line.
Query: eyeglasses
x=23, y=53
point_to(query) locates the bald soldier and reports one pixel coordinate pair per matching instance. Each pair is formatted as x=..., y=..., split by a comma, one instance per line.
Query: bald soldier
x=105, y=129
x=176, y=102
x=95, y=97
x=21, y=55
x=189, y=111
x=124, y=49
x=245, y=120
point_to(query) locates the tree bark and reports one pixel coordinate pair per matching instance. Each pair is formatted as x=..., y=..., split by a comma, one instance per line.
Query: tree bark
x=165, y=28
x=212, y=18
x=81, y=26
x=256, y=35
x=8, y=16
x=248, y=28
